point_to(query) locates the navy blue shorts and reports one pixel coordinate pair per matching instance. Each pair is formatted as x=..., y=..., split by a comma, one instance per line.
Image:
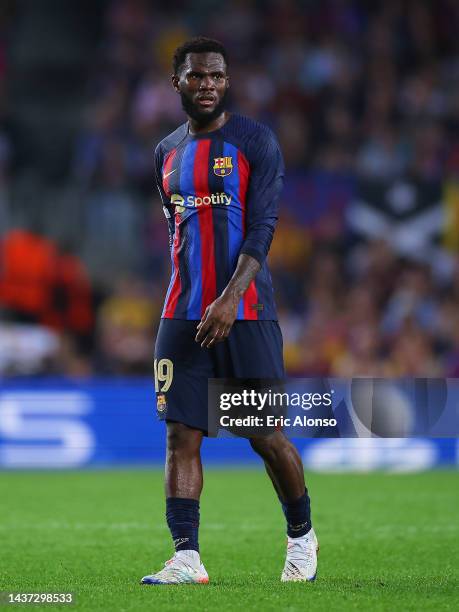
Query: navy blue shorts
x=253, y=349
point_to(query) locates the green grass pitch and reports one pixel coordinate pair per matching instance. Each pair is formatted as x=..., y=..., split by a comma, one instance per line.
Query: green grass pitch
x=387, y=542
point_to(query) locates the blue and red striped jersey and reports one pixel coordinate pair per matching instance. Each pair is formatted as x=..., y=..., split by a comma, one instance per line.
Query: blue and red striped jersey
x=220, y=194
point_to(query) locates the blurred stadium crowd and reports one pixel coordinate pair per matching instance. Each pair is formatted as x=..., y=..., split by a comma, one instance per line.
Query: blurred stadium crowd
x=364, y=98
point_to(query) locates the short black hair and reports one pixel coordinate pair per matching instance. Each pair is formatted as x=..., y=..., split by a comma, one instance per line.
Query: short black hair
x=199, y=44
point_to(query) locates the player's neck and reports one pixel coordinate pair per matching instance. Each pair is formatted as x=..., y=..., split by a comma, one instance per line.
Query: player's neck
x=196, y=128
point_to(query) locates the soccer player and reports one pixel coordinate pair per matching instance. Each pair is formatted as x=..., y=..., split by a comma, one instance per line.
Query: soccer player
x=219, y=176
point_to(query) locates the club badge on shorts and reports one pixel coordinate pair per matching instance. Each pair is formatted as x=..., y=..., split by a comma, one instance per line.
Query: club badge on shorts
x=161, y=404
x=223, y=166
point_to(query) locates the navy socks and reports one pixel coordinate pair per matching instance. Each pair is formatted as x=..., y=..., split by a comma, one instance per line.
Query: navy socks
x=298, y=516
x=182, y=516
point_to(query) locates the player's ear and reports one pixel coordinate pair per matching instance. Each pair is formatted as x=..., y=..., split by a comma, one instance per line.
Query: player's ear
x=175, y=82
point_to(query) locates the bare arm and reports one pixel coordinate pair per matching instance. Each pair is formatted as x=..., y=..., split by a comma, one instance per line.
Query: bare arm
x=219, y=316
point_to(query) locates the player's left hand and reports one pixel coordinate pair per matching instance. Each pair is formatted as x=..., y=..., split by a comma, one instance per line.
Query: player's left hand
x=217, y=321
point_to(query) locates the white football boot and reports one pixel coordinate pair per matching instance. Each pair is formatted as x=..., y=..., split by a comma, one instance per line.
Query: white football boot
x=185, y=567
x=301, y=562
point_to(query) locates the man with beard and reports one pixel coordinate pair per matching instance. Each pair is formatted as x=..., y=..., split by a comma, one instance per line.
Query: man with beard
x=219, y=176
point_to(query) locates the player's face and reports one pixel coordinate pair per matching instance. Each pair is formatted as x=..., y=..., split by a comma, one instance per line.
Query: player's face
x=202, y=85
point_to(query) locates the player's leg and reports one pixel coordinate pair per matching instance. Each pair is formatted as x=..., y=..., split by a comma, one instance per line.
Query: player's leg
x=283, y=465
x=182, y=369
x=183, y=485
x=257, y=348
x=285, y=469
x=183, y=473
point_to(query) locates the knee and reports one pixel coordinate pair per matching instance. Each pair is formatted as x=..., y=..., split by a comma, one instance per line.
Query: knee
x=181, y=438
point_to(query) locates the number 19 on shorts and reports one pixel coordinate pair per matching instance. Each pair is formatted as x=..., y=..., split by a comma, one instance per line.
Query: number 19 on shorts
x=164, y=373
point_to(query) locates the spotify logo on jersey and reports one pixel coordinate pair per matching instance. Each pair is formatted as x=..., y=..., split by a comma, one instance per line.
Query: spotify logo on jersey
x=195, y=201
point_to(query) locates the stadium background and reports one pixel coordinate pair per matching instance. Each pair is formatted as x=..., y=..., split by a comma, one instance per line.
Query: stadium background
x=364, y=98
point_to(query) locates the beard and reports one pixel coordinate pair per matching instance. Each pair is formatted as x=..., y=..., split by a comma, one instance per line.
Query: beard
x=201, y=118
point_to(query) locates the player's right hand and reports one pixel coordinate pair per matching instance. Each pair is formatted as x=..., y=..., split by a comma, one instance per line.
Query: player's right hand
x=216, y=322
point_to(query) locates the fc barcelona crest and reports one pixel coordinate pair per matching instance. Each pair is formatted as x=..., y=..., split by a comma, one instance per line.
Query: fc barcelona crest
x=161, y=404
x=223, y=166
